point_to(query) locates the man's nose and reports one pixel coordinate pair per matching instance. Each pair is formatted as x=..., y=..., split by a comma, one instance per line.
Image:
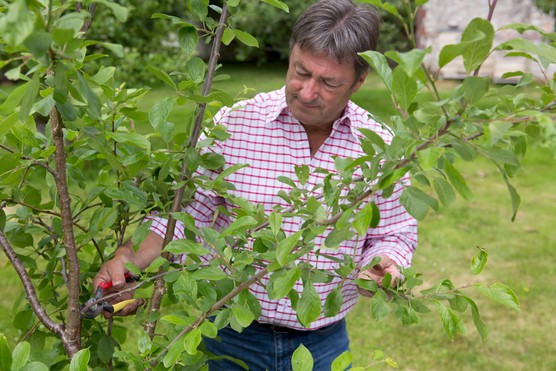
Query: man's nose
x=309, y=91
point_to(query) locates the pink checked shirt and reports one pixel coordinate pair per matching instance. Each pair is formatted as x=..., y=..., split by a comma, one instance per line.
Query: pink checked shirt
x=271, y=141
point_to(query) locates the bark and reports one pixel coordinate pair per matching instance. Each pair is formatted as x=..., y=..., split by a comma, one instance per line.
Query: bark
x=71, y=336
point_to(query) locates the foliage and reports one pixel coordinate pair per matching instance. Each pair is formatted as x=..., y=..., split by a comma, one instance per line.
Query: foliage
x=77, y=190
x=272, y=30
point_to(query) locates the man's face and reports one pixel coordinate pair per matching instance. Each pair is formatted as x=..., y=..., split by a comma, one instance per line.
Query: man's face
x=318, y=88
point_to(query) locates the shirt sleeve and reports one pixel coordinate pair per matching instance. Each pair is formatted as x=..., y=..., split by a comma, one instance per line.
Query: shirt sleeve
x=396, y=234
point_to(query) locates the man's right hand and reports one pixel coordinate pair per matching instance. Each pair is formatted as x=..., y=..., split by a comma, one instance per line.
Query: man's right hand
x=114, y=270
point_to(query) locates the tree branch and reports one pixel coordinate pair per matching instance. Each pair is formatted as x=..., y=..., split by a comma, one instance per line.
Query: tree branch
x=71, y=337
x=159, y=285
x=29, y=288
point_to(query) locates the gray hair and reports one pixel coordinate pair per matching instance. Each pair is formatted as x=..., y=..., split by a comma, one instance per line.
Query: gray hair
x=338, y=28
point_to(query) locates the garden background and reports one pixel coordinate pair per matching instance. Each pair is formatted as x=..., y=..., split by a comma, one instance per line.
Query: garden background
x=520, y=252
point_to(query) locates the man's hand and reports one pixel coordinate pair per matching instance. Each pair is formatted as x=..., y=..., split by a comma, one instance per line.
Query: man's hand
x=377, y=273
x=114, y=271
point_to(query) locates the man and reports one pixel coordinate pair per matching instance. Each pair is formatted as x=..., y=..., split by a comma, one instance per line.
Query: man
x=310, y=121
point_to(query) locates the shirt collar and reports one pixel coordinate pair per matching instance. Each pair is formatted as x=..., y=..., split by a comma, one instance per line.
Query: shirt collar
x=346, y=118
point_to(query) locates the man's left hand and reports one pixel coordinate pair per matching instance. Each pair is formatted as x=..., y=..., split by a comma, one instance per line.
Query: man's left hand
x=377, y=273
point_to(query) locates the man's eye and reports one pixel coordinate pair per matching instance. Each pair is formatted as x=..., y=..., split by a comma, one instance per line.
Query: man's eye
x=331, y=85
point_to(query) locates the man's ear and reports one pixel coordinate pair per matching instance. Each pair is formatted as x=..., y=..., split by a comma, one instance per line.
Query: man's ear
x=360, y=81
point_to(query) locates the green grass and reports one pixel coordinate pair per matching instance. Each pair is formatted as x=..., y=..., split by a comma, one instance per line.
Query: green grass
x=520, y=255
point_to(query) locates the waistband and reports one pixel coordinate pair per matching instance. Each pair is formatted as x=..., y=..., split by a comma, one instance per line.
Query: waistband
x=281, y=329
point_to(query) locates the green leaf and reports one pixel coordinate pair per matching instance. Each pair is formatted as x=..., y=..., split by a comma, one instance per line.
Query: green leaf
x=105, y=349
x=35, y=366
x=542, y=50
x=337, y=236
x=38, y=43
x=80, y=360
x=185, y=246
x=93, y=101
x=174, y=353
x=500, y=293
x=404, y=88
x=278, y=4
x=302, y=360
x=379, y=307
x=417, y=202
x=477, y=320
x=195, y=69
x=451, y=321
x=243, y=315
x=474, y=88
x=444, y=190
x=20, y=355
x=228, y=36
x=450, y=52
x=160, y=111
x=333, y=302
x=15, y=97
x=479, y=33
x=241, y=223
x=209, y=273
x=379, y=63
x=479, y=261
x=363, y=218
x=5, y=353
x=457, y=180
x=309, y=305
x=2, y=225
x=283, y=281
x=212, y=161
x=117, y=49
x=200, y=8
x=342, y=362
x=188, y=39
x=285, y=247
x=209, y=329
x=410, y=61
x=516, y=200
x=275, y=222
x=499, y=156
x=246, y=38
x=120, y=12
x=25, y=136
x=175, y=20
x=18, y=23
x=29, y=98
x=132, y=138
x=176, y=319
x=302, y=172
x=163, y=76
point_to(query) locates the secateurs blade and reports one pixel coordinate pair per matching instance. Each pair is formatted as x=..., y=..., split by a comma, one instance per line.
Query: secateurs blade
x=89, y=310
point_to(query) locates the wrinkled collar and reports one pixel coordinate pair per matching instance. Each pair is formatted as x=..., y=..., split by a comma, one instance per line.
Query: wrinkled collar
x=280, y=106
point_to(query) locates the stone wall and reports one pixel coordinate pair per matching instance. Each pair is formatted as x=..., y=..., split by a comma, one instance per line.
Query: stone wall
x=441, y=22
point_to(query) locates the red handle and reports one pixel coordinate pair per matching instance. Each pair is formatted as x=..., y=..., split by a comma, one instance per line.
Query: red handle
x=106, y=285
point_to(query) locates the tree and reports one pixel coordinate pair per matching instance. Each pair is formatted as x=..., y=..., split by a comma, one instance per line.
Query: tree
x=82, y=186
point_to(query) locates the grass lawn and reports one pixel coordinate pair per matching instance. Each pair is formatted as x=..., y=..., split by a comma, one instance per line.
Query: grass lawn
x=520, y=255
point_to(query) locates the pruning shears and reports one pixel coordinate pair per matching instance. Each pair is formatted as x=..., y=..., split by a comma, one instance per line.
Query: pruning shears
x=89, y=310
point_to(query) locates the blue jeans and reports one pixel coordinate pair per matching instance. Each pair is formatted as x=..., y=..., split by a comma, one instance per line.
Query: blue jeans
x=265, y=347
